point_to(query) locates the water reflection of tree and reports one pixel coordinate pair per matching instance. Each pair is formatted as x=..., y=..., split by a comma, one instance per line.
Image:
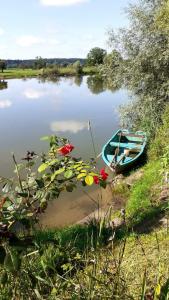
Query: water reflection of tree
x=78, y=80
x=3, y=84
x=98, y=84
x=48, y=80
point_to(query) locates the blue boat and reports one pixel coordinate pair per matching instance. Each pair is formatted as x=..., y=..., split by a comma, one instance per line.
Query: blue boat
x=124, y=150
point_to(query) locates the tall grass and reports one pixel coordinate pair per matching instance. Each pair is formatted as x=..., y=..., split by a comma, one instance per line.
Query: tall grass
x=143, y=199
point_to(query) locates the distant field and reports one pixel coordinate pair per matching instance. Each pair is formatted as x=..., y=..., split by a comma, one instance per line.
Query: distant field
x=26, y=73
x=19, y=73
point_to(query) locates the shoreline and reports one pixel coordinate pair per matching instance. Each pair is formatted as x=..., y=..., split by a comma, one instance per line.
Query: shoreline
x=32, y=73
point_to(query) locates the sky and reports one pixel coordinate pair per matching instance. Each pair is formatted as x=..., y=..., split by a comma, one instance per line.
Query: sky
x=57, y=28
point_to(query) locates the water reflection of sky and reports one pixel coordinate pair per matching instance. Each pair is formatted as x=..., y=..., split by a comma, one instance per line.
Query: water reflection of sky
x=68, y=126
x=30, y=109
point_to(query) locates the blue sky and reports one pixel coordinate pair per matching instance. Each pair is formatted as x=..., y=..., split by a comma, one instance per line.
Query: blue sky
x=57, y=28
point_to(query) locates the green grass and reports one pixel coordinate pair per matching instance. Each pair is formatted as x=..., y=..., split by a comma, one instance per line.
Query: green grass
x=28, y=73
x=80, y=237
x=143, y=199
x=19, y=73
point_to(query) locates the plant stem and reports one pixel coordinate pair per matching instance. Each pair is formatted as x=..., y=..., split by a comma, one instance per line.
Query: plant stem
x=17, y=172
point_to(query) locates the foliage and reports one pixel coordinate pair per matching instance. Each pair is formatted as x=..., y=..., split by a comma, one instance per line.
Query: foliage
x=143, y=200
x=2, y=65
x=95, y=56
x=51, y=72
x=111, y=69
x=146, y=52
x=25, y=196
x=39, y=63
x=162, y=17
x=78, y=68
x=159, y=146
x=136, y=268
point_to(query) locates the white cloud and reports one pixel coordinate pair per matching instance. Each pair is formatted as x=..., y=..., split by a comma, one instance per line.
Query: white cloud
x=33, y=94
x=5, y=104
x=61, y=2
x=1, y=31
x=71, y=126
x=29, y=40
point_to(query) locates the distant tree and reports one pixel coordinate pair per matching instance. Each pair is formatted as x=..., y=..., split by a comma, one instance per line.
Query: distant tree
x=23, y=66
x=112, y=69
x=39, y=63
x=2, y=65
x=95, y=56
x=78, y=68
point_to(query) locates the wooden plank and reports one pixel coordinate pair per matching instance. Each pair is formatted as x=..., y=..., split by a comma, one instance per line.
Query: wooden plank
x=131, y=134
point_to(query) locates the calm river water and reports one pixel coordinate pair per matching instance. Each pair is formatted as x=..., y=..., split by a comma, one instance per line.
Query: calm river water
x=31, y=108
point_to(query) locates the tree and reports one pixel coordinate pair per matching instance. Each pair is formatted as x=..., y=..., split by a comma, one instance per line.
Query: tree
x=162, y=17
x=78, y=68
x=39, y=63
x=112, y=68
x=95, y=56
x=2, y=65
x=146, y=70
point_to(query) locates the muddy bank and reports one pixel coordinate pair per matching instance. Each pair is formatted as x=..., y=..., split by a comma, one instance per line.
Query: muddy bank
x=82, y=205
x=79, y=205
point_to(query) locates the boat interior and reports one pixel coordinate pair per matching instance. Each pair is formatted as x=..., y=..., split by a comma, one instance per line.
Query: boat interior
x=124, y=147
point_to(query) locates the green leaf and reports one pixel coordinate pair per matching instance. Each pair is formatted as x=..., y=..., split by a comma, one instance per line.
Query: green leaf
x=68, y=174
x=4, y=278
x=53, y=162
x=7, y=187
x=40, y=183
x=89, y=180
x=30, y=214
x=93, y=174
x=103, y=184
x=30, y=164
x=12, y=262
x=23, y=195
x=81, y=175
x=45, y=138
x=57, y=173
x=42, y=167
x=79, y=168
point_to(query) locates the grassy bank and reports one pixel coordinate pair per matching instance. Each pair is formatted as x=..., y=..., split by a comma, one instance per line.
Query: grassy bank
x=60, y=266
x=28, y=73
x=19, y=73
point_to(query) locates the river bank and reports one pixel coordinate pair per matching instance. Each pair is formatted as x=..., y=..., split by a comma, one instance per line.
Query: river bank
x=31, y=73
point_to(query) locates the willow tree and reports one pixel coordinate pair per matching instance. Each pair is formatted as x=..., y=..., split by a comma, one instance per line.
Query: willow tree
x=145, y=47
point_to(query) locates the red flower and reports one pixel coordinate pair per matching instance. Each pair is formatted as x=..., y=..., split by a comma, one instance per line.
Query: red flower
x=96, y=179
x=66, y=149
x=103, y=174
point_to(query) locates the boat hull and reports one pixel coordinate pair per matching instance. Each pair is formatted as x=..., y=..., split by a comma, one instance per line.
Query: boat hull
x=124, y=150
